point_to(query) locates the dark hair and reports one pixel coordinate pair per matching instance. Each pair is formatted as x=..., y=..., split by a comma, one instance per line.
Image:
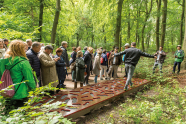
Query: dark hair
x=5, y=40
x=35, y=44
x=104, y=51
x=58, y=50
x=133, y=43
x=73, y=48
x=116, y=47
x=48, y=47
x=161, y=46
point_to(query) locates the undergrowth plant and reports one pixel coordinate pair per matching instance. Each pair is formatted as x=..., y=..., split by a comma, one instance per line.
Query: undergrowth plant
x=29, y=114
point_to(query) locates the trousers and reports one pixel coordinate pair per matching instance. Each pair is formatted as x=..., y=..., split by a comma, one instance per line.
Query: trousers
x=130, y=70
x=157, y=64
x=103, y=69
x=175, y=64
x=111, y=69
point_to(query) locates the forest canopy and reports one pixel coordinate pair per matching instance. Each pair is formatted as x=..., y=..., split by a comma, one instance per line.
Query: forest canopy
x=106, y=23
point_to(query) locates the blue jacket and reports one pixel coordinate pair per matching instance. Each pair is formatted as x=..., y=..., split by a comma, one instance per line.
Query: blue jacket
x=105, y=62
x=123, y=59
x=60, y=68
x=34, y=61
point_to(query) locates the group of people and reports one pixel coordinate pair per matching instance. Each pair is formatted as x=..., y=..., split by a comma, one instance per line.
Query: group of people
x=34, y=62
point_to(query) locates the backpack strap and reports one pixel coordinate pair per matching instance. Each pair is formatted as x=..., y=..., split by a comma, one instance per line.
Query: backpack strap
x=16, y=64
x=23, y=77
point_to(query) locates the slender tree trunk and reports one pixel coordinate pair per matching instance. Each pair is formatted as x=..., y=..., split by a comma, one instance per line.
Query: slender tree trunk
x=158, y=24
x=77, y=40
x=56, y=18
x=146, y=17
x=182, y=21
x=164, y=18
x=40, y=20
x=129, y=28
x=105, y=38
x=137, y=28
x=120, y=41
x=92, y=40
x=118, y=23
x=184, y=44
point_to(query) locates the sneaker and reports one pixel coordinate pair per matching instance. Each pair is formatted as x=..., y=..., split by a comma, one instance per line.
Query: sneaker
x=178, y=72
x=101, y=78
x=84, y=84
x=88, y=84
x=105, y=78
x=72, y=80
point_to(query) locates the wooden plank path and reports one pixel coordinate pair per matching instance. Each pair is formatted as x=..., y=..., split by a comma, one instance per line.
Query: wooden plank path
x=85, y=99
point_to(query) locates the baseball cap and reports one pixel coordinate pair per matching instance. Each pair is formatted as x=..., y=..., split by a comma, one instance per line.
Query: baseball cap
x=127, y=44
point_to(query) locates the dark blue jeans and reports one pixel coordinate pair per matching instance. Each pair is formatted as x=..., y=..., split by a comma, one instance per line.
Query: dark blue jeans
x=61, y=82
x=175, y=64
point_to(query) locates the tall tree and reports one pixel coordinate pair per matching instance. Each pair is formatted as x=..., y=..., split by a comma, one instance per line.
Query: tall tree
x=40, y=19
x=56, y=18
x=128, y=32
x=184, y=44
x=163, y=26
x=158, y=24
x=147, y=14
x=118, y=23
x=182, y=21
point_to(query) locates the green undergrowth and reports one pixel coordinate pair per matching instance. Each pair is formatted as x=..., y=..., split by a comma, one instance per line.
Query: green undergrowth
x=29, y=114
x=163, y=102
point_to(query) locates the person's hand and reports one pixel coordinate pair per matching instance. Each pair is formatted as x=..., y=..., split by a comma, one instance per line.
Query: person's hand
x=58, y=58
x=85, y=66
x=155, y=57
x=99, y=68
x=55, y=59
x=112, y=55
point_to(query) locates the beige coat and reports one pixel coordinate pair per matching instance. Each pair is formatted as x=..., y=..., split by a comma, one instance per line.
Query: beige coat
x=48, y=69
x=97, y=65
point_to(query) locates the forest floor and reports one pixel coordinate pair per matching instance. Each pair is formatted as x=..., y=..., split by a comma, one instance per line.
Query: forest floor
x=111, y=113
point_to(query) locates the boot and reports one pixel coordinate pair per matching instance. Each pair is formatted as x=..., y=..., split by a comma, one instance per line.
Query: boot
x=81, y=84
x=75, y=85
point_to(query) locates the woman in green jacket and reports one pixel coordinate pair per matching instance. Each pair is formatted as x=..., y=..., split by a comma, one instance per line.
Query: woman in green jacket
x=21, y=71
x=179, y=56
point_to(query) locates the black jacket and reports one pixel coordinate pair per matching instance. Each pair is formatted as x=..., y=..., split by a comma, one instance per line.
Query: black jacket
x=132, y=55
x=34, y=61
x=87, y=59
x=60, y=68
x=65, y=56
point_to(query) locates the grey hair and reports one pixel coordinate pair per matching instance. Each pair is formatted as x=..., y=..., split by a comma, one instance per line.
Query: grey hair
x=28, y=40
x=35, y=44
x=48, y=47
x=63, y=43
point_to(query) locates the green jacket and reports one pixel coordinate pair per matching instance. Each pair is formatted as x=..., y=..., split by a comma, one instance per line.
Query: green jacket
x=20, y=72
x=180, y=56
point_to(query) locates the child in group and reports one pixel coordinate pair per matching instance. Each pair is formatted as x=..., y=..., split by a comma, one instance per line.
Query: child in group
x=97, y=65
x=80, y=69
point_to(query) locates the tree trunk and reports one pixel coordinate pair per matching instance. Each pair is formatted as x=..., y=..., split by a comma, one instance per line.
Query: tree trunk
x=129, y=28
x=163, y=26
x=77, y=40
x=158, y=24
x=146, y=17
x=120, y=41
x=137, y=27
x=92, y=40
x=118, y=23
x=40, y=20
x=56, y=18
x=182, y=21
x=184, y=44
